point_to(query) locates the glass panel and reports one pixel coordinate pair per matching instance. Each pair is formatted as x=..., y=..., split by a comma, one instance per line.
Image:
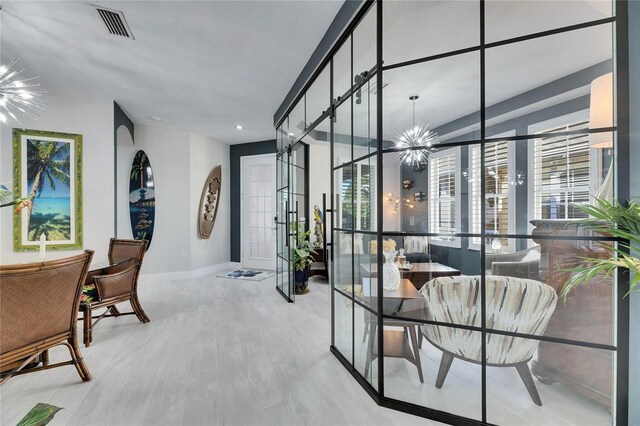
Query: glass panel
x=286, y=138
x=588, y=313
x=458, y=388
x=279, y=139
x=507, y=19
x=362, y=342
x=574, y=384
x=297, y=120
x=364, y=119
x=414, y=189
x=343, y=322
x=447, y=101
x=563, y=172
x=394, y=203
x=342, y=70
x=543, y=79
x=364, y=208
x=365, y=263
x=342, y=135
x=445, y=196
x=503, y=183
x=364, y=47
x=448, y=280
x=283, y=198
x=343, y=261
x=416, y=29
x=298, y=155
x=344, y=190
x=318, y=97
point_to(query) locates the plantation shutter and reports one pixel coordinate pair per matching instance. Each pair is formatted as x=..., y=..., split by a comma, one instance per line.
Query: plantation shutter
x=497, y=181
x=561, y=165
x=442, y=195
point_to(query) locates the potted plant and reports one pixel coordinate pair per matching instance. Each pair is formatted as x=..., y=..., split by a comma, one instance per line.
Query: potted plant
x=302, y=260
x=616, y=220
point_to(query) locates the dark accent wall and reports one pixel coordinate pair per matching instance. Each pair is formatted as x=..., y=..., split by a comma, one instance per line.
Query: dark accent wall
x=119, y=119
x=339, y=23
x=235, y=153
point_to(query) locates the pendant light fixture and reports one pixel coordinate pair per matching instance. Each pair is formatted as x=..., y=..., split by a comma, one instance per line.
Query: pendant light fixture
x=415, y=142
x=18, y=96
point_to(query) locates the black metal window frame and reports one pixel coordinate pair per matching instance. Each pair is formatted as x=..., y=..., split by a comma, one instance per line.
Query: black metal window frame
x=291, y=211
x=619, y=23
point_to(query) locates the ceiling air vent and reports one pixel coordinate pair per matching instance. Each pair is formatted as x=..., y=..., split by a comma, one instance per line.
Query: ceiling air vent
x=115, y=22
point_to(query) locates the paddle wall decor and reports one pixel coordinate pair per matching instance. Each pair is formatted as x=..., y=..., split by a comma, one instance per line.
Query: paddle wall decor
x=209, y=201
x=142, y=198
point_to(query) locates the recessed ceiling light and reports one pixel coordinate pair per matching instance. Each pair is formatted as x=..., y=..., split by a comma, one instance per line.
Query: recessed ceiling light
x=239, y=127
x=156, y=118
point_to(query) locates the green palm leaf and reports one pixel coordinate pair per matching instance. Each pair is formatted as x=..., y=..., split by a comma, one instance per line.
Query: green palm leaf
x=39, y=415
x=616, y=220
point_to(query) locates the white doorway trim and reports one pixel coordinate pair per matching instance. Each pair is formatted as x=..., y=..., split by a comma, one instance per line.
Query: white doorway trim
x=257, y=211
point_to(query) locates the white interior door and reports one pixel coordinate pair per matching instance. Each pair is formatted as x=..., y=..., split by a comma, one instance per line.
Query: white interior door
x=258, y=207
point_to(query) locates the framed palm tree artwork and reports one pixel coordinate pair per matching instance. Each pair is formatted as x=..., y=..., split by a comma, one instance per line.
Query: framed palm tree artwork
x=47, y=169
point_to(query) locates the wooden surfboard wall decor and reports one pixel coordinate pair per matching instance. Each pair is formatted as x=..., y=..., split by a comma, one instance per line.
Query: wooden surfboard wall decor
x=142, y=198
x=209, y=201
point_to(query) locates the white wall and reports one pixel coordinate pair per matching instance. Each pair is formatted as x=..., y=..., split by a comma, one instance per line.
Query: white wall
x=125, y=153
x=319, y=181
x=93, y=119
x=168, y=153
x=205, y=154
x=181, y=162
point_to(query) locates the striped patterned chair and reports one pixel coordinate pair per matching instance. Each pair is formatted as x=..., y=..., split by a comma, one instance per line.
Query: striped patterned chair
x=513, y=304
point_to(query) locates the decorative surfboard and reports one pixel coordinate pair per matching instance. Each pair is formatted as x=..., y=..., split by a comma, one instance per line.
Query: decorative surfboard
x=142, y=198
x=209, y=201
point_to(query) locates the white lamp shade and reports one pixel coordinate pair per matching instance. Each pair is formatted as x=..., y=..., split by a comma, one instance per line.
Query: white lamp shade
x=601, y=111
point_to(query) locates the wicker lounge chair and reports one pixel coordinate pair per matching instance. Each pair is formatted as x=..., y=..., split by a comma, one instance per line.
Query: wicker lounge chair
x=38, y=309
x=106, y=287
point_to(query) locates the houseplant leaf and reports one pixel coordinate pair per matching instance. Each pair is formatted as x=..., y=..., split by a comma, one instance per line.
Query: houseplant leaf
x=39, y=415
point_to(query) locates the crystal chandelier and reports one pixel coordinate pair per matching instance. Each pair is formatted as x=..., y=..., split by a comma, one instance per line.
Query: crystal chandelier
x=18, y=96
x=415, y=142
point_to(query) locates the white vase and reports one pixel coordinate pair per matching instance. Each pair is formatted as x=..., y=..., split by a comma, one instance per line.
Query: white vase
x=390, y=272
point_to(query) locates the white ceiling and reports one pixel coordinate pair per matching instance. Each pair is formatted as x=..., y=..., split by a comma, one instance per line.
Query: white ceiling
x=202, y=66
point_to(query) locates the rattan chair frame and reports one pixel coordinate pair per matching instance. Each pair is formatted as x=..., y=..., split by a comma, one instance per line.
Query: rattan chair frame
x=121, y=266
x=18, y=360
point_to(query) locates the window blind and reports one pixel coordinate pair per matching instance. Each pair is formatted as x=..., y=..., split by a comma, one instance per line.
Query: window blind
x=356, y=193
x=561, y=177
x=497, y=182
x=442, y=195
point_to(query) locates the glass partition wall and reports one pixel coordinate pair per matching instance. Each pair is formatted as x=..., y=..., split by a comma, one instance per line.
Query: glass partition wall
x=292, y=165
x=464, y=136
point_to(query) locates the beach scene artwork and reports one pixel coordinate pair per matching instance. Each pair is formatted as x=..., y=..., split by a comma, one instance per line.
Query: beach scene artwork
x=48, y=165
x=142, y=198
x=49, y=180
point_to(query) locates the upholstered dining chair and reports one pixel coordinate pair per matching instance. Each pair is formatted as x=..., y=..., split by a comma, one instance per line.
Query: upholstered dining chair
x=117, y=283
x=512, y=305
x=38, y=309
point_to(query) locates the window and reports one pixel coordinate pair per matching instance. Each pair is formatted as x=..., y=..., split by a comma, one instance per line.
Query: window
x=561, y=173
x=444, y=196
x=357, y=192
x=501, y=180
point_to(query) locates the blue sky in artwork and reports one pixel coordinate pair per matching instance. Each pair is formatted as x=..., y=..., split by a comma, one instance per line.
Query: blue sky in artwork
x=62, y=190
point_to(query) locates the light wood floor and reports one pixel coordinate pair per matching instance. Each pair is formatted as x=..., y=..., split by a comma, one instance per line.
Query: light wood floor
x=216, y=351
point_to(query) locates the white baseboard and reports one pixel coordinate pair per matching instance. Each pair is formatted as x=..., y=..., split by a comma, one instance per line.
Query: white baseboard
x=187, y=275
